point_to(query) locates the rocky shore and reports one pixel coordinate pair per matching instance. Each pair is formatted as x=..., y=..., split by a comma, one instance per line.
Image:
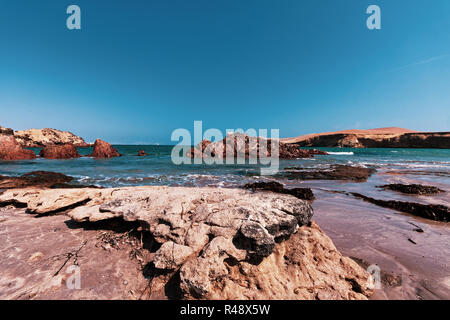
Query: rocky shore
x=187, y=243
x=11, y=149
x=37, y=138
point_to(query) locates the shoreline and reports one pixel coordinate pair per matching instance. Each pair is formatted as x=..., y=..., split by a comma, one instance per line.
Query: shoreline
x=373, y=235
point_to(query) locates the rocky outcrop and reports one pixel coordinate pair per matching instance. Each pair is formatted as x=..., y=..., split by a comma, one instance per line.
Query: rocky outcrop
x=305, y=267
x=103, y=149
x=300, y=193
x=412, y=188
x=6, y=131
x=65, y=151
x=375, y=138
x=34, y=138
x=335, y=172
x=11, y=150
x=35, y=179
x=218, y=243
x=239, y=145
x=436, y=212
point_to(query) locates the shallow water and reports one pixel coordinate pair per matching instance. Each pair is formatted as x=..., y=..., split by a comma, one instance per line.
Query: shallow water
x=432, y=165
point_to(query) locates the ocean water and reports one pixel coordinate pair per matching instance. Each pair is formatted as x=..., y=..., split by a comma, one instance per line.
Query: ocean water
x=157, y=168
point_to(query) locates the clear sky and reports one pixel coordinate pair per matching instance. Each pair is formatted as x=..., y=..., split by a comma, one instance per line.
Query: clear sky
x=139, y=69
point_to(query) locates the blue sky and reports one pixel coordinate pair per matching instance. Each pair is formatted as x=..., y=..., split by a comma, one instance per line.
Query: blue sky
x=139, y=69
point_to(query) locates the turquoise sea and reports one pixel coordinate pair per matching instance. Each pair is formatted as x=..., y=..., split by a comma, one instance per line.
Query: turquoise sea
x=157, y=168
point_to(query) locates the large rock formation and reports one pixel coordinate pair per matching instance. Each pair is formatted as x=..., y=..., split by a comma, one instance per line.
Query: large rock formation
x=375, y=138
x=103, y=149
x=11, y=150
x=65, y=151
x=34, y=138
x=217, y=243
x=239, y=145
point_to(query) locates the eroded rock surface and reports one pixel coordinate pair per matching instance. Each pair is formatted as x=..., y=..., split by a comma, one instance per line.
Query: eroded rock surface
x=42, y=137
x=10, y=149
x=306, y=266
x=103, y=149
x=65, y=151
x=217, y=243
x=239, y=145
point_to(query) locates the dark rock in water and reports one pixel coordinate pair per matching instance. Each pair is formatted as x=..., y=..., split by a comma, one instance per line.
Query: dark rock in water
x=428, y=211
x=103, y=149
x=412, y=188
x=42, y=179
x=10, y=149
x=65, y=151
x=300, y=193
x=34, y=179
x=142, y=153
x=319, y=152
x=336, y=172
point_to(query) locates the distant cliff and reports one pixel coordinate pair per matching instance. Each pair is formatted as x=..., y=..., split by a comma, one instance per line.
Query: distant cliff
x=375, y=138
x=42, y=137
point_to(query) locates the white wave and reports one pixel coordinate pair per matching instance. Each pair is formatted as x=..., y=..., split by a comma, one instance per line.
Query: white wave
x=341, y=153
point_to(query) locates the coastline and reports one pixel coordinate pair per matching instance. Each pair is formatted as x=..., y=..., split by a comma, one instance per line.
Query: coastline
x=103, y=194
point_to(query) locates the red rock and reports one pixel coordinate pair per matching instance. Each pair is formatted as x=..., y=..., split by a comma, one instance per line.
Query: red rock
x=103, y=149
x=11, y=150
x=242, y=145
x=141, y=153
x=65, y=151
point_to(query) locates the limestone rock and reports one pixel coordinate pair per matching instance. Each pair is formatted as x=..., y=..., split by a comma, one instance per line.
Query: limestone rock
x=225, y=243
x=42, y=137
x=171, y=255
x=305, y=267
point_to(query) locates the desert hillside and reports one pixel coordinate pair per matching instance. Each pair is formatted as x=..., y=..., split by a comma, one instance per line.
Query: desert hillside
x=391, y=137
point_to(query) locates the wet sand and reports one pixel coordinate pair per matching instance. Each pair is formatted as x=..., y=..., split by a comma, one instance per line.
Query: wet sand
x=389, y=238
